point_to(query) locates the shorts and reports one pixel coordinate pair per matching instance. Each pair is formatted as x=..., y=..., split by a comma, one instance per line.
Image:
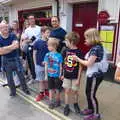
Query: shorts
x=40, y=73
x=54, y=83
x=70, y=84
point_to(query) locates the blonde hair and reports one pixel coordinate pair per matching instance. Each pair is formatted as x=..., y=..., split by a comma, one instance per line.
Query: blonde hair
x=73, y=38
x=53, y=42
x=93, y=36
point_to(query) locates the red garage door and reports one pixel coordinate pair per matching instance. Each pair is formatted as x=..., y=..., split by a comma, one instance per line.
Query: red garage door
x=84, y=17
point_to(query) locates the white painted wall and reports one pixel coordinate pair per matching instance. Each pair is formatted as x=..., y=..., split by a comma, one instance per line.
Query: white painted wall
x=112, y=6
x=28, y=4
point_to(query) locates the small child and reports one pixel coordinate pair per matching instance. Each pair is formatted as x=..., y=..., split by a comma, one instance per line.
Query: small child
x=39, y=50
x=72, y=71
x=53, y=69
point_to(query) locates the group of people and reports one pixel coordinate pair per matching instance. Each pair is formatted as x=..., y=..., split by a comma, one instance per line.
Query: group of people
x=54, y=60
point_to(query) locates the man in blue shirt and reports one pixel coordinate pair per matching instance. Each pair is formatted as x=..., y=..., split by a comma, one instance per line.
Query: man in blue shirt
x=58, y=32
x=11, y=61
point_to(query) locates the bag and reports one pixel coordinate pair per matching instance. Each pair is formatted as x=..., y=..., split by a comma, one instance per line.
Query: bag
x=16, y=79
x=103, y=65
x=117, y=73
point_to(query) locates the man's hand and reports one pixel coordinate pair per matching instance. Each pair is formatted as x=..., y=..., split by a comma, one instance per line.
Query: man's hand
x=15, y=45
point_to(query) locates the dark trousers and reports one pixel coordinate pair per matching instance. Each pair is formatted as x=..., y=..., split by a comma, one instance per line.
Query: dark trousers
x=92, y=85
x=31, y=65
x=12, y=65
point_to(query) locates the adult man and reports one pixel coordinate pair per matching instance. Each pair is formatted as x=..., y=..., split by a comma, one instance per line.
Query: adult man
x=11, y=61
x=57, y=31
x=32, y=33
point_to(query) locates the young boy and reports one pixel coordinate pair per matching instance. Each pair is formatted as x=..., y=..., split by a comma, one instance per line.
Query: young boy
x=39, y=50
x=72, y=71
x=53, y=69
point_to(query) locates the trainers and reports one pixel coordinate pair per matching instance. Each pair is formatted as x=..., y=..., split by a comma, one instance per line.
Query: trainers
x=39, y=97
x=30, y=82
x=46, y=93
x=51, y=105
x=27, y=92
x=76, y=108
x=57, y=103
x=66, y=110
x=86, y=112
x=93, y=117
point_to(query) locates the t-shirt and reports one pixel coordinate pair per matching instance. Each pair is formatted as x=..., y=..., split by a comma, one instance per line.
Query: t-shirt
x=54, y=59
x=97, y=50
x=8, y=41
x=60, y=34
x=71, y=67
x=42, y=49
x=33, y=31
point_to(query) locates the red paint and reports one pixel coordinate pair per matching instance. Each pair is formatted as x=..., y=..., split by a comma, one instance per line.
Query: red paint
x=85, y=14
x=42, y=20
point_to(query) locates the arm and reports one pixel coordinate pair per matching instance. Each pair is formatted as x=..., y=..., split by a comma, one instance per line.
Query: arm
x=88, y=62
x=46, y=70
x=34, y=56
x=60, y=71
x=79, y=74
x=8, y=49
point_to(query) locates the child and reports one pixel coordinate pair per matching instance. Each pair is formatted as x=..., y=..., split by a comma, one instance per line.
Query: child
x=94, y=74
x=53, y=69
x=72, y=71
x=40, y=49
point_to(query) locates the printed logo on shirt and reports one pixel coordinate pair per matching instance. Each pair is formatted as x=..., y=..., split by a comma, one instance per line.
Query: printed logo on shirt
x=69, y=63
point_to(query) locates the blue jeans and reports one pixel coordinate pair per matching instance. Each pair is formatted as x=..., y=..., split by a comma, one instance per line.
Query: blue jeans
x=10, y=65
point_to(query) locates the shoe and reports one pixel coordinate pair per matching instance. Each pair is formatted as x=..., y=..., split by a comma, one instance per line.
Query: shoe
x=66, y=110
x=27, y=92
x=93, y=117
x=30, y=82
x=51, y=105
x=76, y=108
x=12, y=94
x=86, y=112
x=57, y=103
x=39, y=97
x=46, y=93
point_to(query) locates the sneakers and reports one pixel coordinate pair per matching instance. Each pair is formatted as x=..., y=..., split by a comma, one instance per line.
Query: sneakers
x=12, y=94
x=93, y=117
x=57, y=103
x=66, y=110
x=76, y=108
x=51, y=105
x=31, y=81
x=39, y=97
x=86, y=112
x=27, y=92
x=46, y=93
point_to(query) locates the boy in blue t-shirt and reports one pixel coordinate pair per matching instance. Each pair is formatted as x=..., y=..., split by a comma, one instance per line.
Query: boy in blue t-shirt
x=53, y=69
x=39, y=51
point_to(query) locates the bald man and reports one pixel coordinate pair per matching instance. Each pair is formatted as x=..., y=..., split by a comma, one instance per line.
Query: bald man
x=11, y=61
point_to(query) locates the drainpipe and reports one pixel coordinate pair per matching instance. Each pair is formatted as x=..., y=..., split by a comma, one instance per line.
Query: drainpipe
x=57, y=7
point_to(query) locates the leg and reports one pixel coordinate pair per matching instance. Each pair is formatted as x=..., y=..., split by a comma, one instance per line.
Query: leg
x=96, y=105
x=89, y=83
x=9, y=75
x=31, y=63
x=20, y=73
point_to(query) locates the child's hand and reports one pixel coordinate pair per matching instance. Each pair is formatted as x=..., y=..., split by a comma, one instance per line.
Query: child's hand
x=76, y=58
x=77, y=82
x=61, y=77
x=46, y=78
